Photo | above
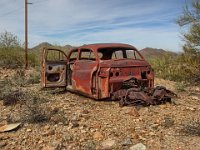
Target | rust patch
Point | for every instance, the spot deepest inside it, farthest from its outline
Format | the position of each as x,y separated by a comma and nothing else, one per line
113,70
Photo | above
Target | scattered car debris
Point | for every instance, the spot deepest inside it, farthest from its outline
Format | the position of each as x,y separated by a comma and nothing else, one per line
9,127
104,71
146,96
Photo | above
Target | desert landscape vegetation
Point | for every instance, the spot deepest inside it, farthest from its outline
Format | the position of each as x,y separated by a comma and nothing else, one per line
54,119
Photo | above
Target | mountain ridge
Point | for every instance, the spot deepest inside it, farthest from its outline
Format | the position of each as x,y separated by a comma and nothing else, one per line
147,52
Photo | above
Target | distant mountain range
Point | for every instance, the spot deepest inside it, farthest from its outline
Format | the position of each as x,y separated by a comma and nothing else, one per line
46,44
148,53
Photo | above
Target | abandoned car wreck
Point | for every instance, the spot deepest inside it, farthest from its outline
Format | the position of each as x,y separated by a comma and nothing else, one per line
103,71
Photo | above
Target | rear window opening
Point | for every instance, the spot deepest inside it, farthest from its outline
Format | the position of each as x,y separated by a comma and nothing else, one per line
119,53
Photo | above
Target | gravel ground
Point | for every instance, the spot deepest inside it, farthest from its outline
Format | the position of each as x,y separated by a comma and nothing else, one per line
77,122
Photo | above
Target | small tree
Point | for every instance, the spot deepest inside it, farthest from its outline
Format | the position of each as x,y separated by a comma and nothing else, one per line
191,19
190,60
8,40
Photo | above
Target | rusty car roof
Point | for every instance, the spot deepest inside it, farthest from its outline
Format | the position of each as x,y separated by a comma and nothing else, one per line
106,45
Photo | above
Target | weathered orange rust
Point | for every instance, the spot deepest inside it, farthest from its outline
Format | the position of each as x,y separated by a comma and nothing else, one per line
100,71
98,77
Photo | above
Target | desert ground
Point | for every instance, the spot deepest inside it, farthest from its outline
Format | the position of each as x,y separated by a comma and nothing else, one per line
56,120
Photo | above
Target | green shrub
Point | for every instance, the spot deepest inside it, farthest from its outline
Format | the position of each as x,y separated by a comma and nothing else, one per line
14,57
184,68
33,59
191,128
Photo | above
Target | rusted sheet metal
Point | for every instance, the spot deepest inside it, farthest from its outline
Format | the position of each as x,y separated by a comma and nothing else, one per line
116,71
139,96
83,73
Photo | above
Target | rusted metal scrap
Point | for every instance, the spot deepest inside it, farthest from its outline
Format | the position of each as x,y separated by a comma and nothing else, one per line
103,71
143,96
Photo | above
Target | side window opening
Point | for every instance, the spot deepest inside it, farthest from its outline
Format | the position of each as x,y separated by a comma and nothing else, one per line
117,54
55,55
74,55
133,54
87,54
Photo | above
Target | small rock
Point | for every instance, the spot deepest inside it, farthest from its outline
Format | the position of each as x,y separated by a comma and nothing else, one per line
138,146
40,141
195,97
89,145
60,123
108,144
127,142
76,117
48,133
168,122
83,131
142,138
57,145
96,126
48,148
74,124
134,136
190,108
85,111
4,137
2,144
57,118
163,106
152,134
68,138
155,126
66,122
28,130
92,130
47,127
134,112
198,89
98,136
5,76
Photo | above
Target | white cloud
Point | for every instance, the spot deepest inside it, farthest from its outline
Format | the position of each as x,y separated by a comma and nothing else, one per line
142,23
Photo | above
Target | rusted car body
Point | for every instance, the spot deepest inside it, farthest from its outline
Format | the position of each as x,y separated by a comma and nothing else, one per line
97,70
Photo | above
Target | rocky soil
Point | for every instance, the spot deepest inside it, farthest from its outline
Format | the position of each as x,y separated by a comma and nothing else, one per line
76,122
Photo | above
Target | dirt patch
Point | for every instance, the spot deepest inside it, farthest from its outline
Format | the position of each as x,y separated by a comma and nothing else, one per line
77,122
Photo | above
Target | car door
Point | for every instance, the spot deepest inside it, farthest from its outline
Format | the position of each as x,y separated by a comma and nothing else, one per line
84,72
54,68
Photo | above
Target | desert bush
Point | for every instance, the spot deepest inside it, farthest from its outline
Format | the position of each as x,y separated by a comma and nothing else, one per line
14,58
33,78
10,88
182,68
191,128
9,40
29,108
11,58
32,110
33,59
11,52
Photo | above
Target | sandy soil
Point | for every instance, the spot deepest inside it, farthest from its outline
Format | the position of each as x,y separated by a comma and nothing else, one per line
78,122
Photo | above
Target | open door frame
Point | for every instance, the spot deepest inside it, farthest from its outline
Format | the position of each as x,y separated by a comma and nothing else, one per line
54,72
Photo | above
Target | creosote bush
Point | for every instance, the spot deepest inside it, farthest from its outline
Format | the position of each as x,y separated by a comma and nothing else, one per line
13,93
14,58
191,128
31,109
182,68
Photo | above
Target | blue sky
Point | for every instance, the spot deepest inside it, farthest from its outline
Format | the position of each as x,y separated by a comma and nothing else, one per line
142,23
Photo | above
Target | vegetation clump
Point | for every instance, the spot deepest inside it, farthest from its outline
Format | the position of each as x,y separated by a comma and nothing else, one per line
186,66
